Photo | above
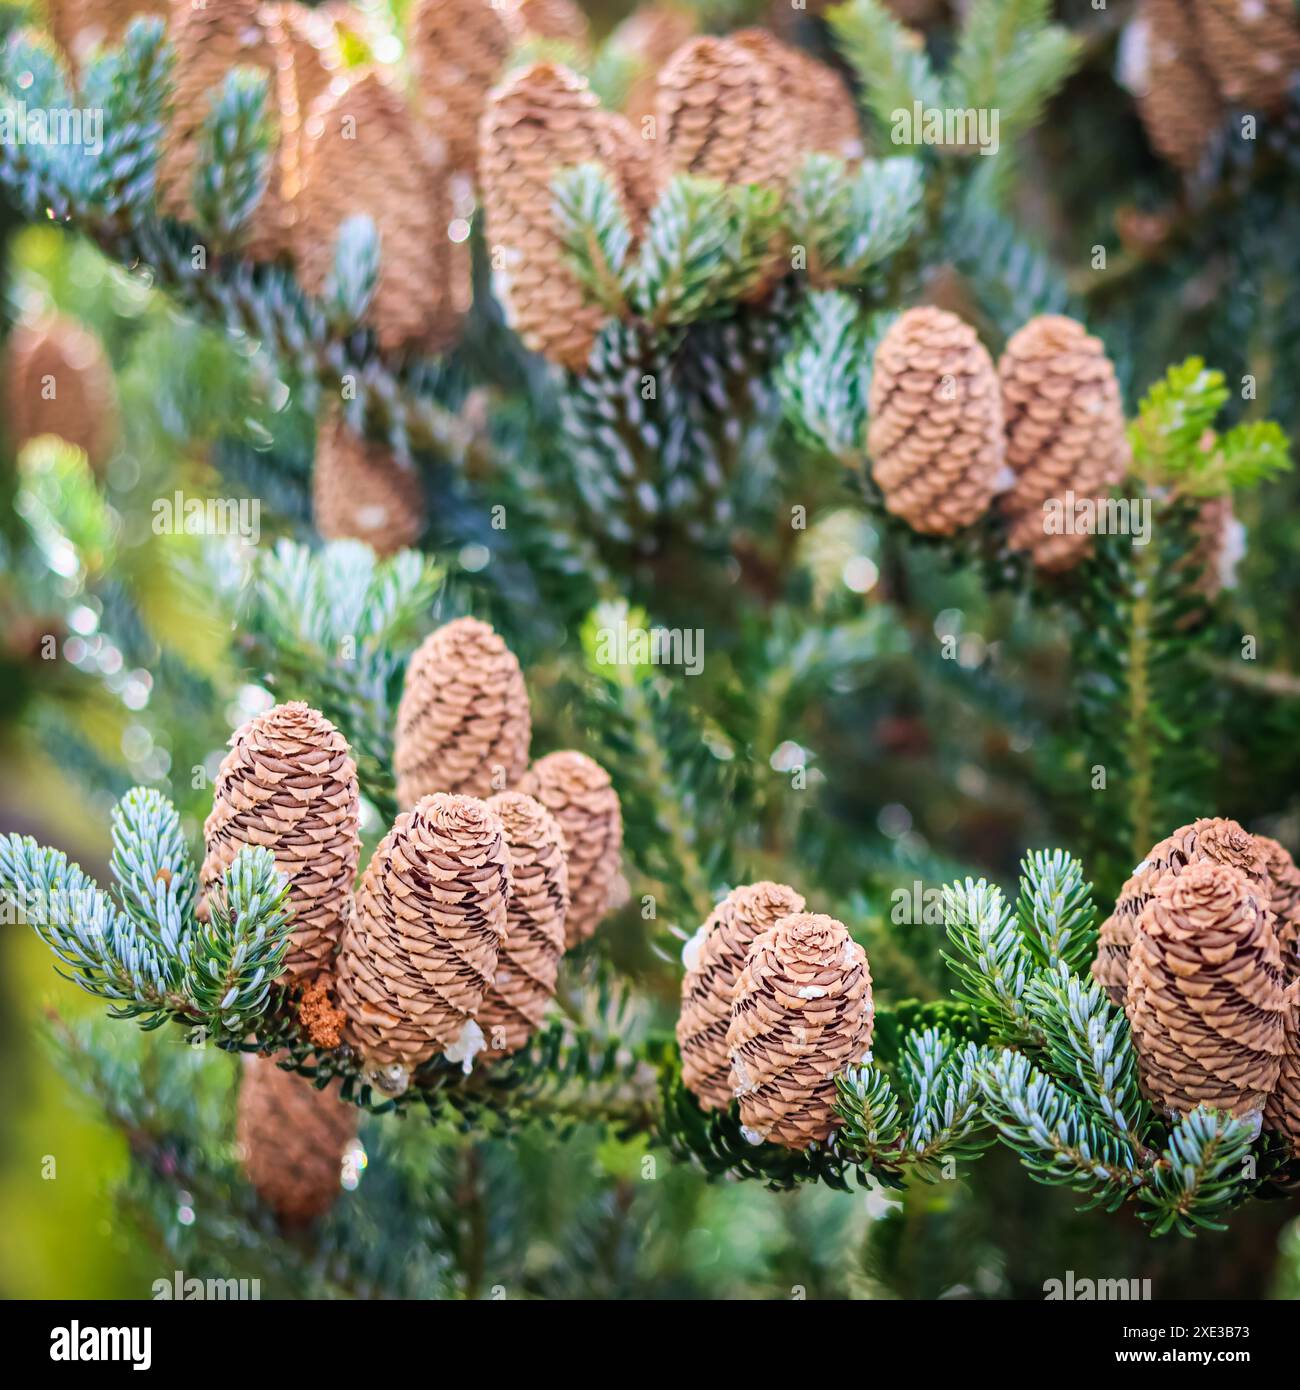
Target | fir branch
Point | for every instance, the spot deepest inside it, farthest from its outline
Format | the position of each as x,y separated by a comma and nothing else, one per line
888,59
595,233
1200,1173
234,162
152,866
351,284
685,253
235,955
824,378
992,961
1055,909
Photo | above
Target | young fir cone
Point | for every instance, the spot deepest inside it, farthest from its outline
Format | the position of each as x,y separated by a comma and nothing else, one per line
1065,435
458,49
1178,103
578,792
361,492
291,1140
648,37
363,156
1252,47
289,784
524,984
60,382
422,946
802,1012
208,42
541,119
560,21
935,437
463,722
720,116
714,958
1209,839
1205,993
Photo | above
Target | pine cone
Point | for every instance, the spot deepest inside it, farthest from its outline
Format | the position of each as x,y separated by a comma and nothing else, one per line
1205,992
1212,840
935,436
813,94
289,784
363,156
208,42
458,49
802,1012
524,984
361,492
422,947
1282,1110
1219,545
308,41
631,160
561,21
715,958
1179,105
463,723
1252,47
650,35
1064,431
1284,900
720,116
291,1140
60,383
81,26
579,794
540,120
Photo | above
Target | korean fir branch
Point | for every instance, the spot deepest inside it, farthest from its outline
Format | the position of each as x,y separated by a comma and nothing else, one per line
234,157
351,284
991,959
595,232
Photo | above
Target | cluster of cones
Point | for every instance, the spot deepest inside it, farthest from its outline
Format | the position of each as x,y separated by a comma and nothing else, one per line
452,940
1203,953
950,431
1197,59
775,1001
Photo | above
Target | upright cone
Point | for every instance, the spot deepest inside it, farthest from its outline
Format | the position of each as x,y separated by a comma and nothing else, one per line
209,41
561,21
802,1012
812,96
714,959
291,1139
720,115
1284,899
463,723
363,157
360,491
647,38
1205,992
60,382
579,794
1065,435
1252,47
541,119
524,983
422,946
1212,839
1179,103
935,437
289,784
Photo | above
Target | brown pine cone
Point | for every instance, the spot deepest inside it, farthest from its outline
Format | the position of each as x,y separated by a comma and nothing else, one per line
524,984
561,21
801,1013
1219,545
579,794
60,383
631,160
361,492
1252,47
1284,900
463,722
289,784
720,116
714,959
1205,993
650,35
1282,1110
935,436
291,1140
363,156
458,50
813,94
1064,430
81,26
308,41
208,42
1210,839
541,119
422,946
1179,104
